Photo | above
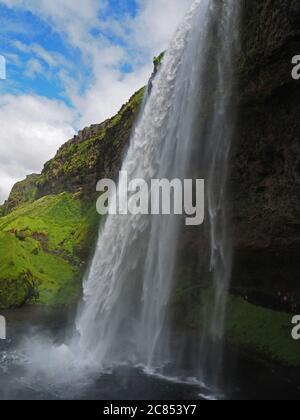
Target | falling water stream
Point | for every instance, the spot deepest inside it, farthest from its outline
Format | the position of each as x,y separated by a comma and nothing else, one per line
129,335
185,129
151,323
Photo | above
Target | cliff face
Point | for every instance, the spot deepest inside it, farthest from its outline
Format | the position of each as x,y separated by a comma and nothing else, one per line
95,153
264,195
265,185
49,223
22,192
265,177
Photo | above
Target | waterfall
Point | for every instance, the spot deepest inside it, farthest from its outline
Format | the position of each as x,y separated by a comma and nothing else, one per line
185,130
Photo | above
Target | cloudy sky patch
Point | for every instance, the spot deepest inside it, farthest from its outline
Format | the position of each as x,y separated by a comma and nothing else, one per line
70,64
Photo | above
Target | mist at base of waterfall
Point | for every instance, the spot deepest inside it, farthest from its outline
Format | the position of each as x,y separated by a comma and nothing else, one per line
35,365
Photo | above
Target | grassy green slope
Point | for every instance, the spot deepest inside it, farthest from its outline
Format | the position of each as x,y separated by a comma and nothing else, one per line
42,248
256,331
45,242
262,332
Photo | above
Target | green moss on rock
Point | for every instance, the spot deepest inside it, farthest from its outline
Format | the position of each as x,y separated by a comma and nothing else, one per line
49,223
256,331
95,153
262,332
158,60
43,246
23,192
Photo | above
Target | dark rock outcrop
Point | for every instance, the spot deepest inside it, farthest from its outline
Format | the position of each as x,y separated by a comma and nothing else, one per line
95,153
49,224
22,192
265,176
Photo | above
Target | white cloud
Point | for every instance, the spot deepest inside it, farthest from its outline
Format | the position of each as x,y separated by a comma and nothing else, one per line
31,130
157,21
72,18
34,68
145,35
104,98
51,58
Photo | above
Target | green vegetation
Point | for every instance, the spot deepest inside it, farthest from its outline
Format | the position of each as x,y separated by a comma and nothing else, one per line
80,162
157,60
251,329
261,331
42,248
132,106
22,192
49,223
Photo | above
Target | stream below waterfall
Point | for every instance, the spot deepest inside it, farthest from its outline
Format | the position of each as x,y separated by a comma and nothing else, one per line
24,376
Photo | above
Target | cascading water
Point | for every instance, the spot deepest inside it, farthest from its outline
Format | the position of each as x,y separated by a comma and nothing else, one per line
185,129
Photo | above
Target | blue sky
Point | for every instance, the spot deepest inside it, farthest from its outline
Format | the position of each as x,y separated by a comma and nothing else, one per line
71,64
31,70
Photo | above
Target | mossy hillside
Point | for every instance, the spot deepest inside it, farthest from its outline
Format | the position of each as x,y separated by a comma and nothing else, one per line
49,223
158,60
29,274
132,106
92,154
43,247
254,330
82,161
22,192
263,332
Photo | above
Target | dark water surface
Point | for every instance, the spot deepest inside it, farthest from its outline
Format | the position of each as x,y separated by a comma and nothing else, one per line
51,380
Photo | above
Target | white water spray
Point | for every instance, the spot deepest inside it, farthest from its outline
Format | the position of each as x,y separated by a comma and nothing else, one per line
185,129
